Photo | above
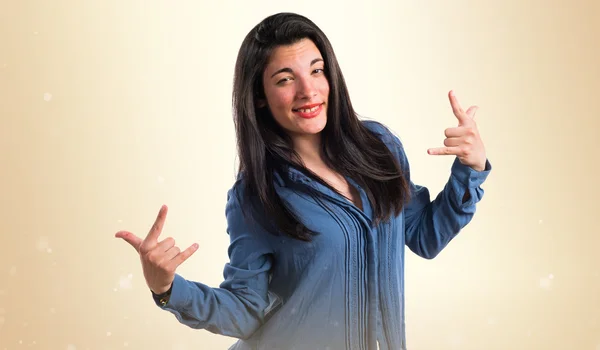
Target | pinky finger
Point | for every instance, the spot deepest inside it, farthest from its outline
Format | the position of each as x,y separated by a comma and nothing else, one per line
444,151
184,255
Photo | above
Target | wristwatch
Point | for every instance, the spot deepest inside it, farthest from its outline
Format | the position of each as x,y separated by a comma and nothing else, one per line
162,298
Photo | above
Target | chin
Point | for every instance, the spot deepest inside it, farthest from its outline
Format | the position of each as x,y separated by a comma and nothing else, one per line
312,126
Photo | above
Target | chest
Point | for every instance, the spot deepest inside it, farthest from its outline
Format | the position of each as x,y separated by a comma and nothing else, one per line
343,230
346,246
344,187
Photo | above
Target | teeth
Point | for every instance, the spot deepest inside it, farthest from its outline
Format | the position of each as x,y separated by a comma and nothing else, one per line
308,110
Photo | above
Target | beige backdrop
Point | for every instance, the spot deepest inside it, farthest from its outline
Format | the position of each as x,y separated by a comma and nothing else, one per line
111,108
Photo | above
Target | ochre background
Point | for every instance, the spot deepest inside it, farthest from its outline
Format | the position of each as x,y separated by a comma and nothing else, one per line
110,109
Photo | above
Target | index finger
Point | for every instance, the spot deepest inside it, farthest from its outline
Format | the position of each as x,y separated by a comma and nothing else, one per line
458,111
157,227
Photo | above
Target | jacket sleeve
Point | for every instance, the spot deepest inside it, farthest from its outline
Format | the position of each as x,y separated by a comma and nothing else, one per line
237,308
431,224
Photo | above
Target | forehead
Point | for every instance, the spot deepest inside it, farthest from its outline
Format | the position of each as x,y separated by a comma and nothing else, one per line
300,53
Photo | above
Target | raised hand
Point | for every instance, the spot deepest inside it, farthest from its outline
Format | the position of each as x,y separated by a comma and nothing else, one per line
463,141
159,259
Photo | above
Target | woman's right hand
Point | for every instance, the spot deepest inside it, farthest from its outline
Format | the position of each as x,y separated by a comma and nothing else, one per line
159,259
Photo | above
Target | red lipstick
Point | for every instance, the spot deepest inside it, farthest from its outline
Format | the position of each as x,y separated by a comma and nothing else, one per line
309,111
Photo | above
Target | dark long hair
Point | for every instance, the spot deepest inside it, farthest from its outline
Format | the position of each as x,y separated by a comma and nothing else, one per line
264,149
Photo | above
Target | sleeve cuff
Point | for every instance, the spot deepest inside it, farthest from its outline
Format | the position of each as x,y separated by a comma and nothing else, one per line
179,294
468,176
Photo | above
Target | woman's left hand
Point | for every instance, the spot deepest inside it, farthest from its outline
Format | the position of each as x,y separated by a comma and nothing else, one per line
463,141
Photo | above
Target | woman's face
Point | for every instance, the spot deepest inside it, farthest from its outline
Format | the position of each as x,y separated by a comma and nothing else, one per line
296,88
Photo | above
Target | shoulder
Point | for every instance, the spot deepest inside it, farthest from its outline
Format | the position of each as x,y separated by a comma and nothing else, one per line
383,132
240,212
247,239
375,126
235,196
388,137
241,221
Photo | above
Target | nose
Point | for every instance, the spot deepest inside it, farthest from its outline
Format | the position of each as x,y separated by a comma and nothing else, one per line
305,88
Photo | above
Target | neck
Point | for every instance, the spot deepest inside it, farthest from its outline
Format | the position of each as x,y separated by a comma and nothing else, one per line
308,148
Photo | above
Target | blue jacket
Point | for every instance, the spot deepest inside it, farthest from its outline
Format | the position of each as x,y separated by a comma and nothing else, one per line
343,290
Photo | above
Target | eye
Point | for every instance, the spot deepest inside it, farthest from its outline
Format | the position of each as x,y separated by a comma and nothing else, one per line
318,70
281,81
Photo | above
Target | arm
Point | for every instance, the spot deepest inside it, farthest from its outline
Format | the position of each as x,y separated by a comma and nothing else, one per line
431,225
237,307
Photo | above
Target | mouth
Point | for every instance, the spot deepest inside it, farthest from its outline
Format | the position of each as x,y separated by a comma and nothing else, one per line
307,108
309,111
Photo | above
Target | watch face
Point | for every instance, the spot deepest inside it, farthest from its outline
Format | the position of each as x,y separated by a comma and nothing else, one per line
163,301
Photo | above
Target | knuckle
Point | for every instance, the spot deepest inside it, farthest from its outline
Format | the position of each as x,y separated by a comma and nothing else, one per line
162,266
183,256
152,259
155,257
145,249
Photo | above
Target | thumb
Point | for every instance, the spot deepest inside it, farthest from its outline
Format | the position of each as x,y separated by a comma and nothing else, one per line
130,238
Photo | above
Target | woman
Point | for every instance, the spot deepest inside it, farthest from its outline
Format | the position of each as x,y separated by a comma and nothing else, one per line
321,210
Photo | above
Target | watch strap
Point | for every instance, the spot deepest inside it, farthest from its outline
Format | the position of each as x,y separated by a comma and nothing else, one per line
163,298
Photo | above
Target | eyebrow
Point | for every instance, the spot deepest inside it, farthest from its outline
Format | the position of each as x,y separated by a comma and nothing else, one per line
289,70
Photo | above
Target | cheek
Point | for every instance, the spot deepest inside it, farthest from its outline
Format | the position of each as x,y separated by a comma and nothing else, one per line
280,100
324,88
